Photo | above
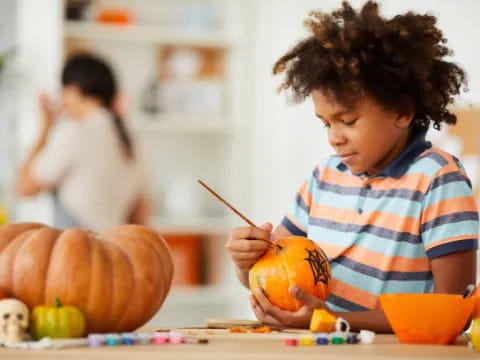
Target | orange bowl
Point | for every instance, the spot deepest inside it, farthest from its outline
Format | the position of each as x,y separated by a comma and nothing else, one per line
427,318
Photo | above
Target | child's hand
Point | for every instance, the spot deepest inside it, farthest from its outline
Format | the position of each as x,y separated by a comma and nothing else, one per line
246,244
272,315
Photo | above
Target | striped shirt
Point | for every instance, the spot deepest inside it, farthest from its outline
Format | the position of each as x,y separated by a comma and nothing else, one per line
380,232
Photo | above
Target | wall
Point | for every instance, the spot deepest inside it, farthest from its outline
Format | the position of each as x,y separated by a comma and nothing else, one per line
7,107
38,60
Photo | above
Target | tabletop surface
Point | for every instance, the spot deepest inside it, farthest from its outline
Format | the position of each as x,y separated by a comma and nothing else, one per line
246,346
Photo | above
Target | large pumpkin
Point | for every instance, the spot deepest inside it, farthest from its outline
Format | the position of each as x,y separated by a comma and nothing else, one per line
118,278
294,260
3,294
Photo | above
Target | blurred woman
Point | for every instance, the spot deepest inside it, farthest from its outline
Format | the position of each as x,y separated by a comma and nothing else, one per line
89,161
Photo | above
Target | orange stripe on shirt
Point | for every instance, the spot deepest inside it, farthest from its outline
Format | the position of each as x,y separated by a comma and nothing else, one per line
385,262
449,169
414,182
305,194
452,239
333,176
378,218
447,156
331,250
339,215
449,206
354,294
375,259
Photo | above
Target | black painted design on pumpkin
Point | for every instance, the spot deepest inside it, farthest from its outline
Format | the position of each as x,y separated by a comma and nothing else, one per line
319,265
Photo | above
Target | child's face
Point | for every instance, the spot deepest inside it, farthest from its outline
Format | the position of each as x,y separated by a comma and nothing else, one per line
366,136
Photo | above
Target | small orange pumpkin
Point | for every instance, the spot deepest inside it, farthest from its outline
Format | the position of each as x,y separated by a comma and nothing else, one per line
476,309
294,260
118,278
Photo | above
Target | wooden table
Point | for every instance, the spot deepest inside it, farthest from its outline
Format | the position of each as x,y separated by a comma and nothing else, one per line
249,348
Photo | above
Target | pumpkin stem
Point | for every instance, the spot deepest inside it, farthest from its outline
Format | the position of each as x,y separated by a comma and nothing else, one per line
58,303
278,246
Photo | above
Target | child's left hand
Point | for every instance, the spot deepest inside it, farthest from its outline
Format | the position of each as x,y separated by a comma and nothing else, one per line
272,315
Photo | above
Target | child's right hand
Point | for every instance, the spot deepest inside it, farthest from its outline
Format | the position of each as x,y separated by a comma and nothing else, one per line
246,244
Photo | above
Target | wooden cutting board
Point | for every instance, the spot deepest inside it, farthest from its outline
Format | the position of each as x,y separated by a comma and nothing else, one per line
218,328
225,334
219,323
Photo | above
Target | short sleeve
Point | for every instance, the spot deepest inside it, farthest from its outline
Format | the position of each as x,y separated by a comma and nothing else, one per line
55,160
296,219
449,221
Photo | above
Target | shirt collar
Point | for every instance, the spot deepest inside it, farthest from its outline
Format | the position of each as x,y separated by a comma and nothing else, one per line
401,163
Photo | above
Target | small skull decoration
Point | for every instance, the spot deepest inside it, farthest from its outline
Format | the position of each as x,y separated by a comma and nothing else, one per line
13,321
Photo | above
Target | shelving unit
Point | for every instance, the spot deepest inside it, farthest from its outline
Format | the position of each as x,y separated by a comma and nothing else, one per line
184,144
181,123
148,34
200,224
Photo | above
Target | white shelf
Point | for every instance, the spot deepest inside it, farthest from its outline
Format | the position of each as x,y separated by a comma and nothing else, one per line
200,224
181,123
147,34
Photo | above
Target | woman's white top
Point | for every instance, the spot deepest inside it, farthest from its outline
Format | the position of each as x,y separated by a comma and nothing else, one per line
95,181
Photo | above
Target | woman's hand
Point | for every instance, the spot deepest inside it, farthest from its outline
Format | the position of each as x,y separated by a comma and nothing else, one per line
246,244
48,110
272,315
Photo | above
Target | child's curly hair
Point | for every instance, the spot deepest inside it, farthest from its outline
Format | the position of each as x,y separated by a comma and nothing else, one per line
398,61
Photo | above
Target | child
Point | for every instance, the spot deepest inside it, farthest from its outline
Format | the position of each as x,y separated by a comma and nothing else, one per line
89,160
393,214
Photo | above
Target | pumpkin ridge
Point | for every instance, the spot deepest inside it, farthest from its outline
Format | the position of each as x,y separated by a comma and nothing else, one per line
52,249
160,253
18,229
287,271
97,254
127,307
167,286
49,263
31,235
110,275
47,271
13,243
102,241
157,304
51,276
130,265
154,241
159,248
90,258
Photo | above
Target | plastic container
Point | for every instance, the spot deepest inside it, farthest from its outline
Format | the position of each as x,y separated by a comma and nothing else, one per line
427,318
